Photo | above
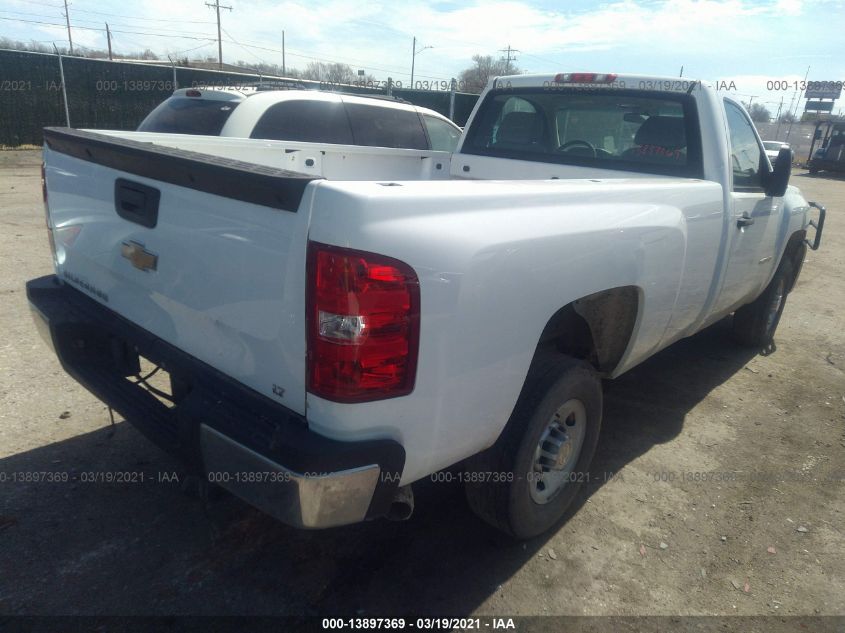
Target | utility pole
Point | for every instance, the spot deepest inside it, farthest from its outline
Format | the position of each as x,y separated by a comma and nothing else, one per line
69,37
217,7
797,105
681,74
777,118
284,72
414,53
108,39
64,86
509,58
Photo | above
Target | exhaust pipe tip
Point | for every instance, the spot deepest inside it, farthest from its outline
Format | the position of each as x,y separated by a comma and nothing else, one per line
402,506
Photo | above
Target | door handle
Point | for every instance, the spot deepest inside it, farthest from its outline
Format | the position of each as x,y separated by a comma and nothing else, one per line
744,220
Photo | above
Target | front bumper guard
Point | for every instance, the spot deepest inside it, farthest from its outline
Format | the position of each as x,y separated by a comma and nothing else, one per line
818,226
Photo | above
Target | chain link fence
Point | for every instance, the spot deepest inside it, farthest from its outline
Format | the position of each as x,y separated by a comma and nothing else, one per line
117,95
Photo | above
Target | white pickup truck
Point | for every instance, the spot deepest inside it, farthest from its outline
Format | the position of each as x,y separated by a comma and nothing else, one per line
339,322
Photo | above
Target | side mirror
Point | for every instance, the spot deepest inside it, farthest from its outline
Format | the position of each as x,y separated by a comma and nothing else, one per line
777,180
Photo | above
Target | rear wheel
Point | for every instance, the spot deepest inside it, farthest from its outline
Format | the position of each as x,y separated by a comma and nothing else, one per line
754,324
524,484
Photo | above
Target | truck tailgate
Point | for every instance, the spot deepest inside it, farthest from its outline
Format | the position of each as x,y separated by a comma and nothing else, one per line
205,253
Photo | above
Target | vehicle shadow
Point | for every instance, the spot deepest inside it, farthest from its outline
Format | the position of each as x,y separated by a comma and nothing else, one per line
822,175
144,548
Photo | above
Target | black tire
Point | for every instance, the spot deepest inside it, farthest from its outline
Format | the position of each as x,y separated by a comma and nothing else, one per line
754,324
499,480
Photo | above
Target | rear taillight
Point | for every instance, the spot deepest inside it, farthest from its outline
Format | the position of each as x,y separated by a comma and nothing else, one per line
363,325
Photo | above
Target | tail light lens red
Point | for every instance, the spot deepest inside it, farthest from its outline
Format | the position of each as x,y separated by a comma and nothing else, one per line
363,325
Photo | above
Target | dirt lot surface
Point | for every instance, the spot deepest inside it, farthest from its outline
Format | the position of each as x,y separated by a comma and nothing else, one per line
728,494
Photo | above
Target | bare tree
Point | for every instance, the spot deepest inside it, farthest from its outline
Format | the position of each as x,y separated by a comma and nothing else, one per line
93,53
475,78
788,117
758,113
335,73
332,73
269,69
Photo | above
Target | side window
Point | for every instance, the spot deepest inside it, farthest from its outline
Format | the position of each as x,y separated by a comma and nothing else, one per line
444,137
308,121
746,156
386,127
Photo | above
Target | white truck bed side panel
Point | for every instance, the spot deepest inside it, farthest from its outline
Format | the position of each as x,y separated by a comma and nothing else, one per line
496,260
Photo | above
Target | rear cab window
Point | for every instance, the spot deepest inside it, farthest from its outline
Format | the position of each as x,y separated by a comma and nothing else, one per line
627,130
189,115
376,126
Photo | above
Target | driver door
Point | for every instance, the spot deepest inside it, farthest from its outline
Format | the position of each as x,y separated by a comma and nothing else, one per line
754,215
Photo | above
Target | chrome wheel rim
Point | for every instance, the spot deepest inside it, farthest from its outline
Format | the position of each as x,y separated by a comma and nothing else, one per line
774,307
557,451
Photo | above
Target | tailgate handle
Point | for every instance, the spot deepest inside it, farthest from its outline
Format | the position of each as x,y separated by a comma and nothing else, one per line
136,202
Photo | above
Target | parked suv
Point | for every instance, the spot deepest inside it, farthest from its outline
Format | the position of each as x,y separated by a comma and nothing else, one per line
303,115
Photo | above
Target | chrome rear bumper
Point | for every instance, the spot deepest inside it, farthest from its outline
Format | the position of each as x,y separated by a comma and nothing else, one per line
306,500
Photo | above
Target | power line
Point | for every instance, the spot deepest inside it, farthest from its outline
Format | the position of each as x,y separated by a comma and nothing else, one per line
334,61
301,54
137,17
244,48
43,4
91,28
92,21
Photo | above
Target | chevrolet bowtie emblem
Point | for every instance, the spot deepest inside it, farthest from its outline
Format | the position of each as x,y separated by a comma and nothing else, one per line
140,257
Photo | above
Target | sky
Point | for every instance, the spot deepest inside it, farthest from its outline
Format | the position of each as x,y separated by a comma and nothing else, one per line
745,44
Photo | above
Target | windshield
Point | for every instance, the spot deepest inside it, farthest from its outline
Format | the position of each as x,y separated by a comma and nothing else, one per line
611,129
189,115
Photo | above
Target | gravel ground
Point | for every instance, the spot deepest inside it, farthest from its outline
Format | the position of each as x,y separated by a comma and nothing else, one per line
755,527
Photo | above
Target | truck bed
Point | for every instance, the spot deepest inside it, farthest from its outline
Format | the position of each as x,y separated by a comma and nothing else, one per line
322,160
230,243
